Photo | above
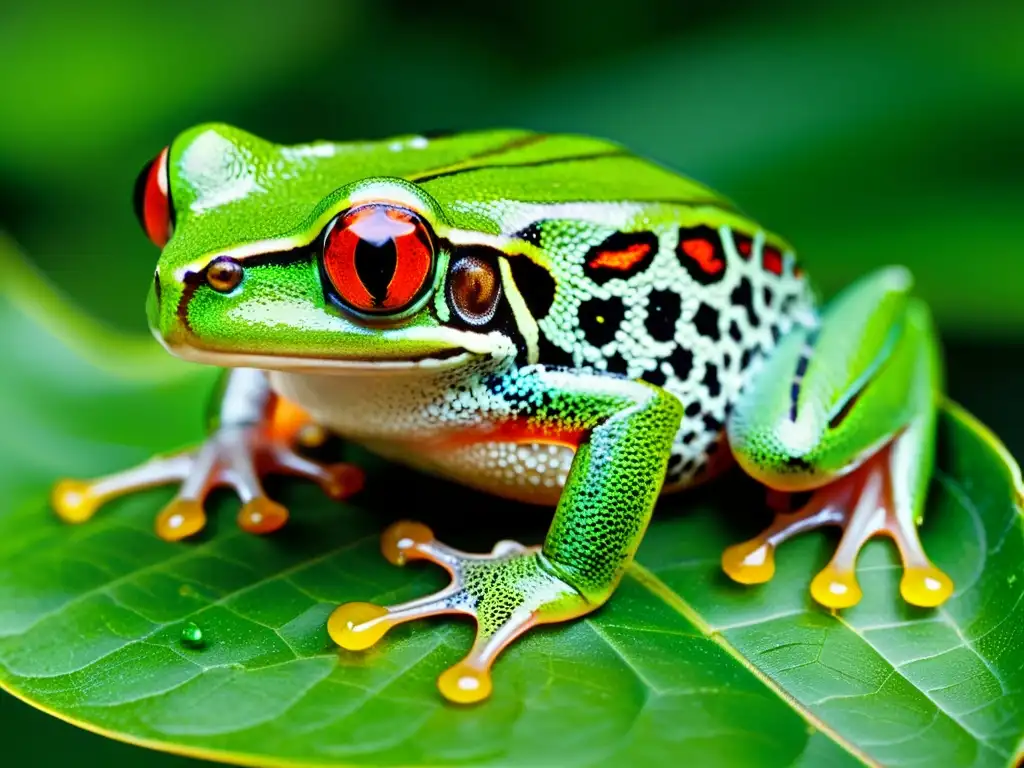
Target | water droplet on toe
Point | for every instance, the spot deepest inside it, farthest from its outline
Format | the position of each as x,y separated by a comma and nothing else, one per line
179,519
752,562
398,542
835,588
192,635
261,515
926,587
465,684
357,626
74,501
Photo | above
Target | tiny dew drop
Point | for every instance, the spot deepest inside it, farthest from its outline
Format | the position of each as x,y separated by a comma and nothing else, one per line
192,635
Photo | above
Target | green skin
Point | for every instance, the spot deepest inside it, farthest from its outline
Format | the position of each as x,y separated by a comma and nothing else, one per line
835,390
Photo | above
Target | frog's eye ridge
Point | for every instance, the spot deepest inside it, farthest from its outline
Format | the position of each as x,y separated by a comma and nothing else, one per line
378,258
153,200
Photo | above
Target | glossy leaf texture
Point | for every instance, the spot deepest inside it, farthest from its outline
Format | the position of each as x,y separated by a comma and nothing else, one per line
680,665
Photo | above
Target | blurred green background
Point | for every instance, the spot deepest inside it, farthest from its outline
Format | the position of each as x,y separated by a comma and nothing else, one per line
867,133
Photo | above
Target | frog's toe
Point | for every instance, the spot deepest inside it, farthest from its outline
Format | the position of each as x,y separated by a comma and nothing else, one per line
261,515
339,481
863,505
76,501
180,519
507,591
233,456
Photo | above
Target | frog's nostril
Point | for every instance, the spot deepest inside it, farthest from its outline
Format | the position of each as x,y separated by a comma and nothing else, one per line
156,288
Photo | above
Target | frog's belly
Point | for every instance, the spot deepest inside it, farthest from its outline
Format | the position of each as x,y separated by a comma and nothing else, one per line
531,472
408,419
405,419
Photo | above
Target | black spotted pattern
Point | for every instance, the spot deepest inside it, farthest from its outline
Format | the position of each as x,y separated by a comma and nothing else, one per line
743,296
711,382
617,364
535,285
681,361
663,310
655,376
531,234
549,354
600,319
692,319
706,322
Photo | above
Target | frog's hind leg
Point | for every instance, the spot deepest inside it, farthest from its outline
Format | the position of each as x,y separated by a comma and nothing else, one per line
253,433
847,410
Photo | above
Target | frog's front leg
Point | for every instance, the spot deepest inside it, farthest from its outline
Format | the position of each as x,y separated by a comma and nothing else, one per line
847,410
252,434
622,431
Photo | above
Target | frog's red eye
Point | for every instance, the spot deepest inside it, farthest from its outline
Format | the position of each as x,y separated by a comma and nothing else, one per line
378,258
153,201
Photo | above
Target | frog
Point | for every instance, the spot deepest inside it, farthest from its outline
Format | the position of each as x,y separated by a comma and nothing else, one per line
548,318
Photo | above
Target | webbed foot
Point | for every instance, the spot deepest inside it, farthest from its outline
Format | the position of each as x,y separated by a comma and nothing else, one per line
236,456
863,505
507,591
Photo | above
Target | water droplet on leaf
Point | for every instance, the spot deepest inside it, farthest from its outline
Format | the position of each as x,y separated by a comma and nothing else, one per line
192,635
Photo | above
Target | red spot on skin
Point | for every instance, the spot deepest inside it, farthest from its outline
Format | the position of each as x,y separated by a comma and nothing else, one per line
513,431
772,261
703,252
620,260
744,247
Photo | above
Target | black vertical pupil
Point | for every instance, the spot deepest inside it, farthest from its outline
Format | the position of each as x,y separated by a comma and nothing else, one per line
375,265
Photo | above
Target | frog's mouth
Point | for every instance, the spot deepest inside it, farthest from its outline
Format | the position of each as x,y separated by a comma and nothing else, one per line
296,331
426,363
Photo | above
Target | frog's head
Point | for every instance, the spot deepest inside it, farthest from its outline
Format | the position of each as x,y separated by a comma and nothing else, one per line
305,257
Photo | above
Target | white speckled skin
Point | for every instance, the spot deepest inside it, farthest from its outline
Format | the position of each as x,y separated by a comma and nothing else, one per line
409,417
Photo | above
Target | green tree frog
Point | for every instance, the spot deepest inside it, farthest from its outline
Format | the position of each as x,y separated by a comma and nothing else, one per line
549,318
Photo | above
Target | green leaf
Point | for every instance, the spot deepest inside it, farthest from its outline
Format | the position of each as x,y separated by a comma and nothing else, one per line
681,664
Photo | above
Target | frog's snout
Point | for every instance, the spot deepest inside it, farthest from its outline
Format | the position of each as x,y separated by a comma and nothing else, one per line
157,290
161,309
